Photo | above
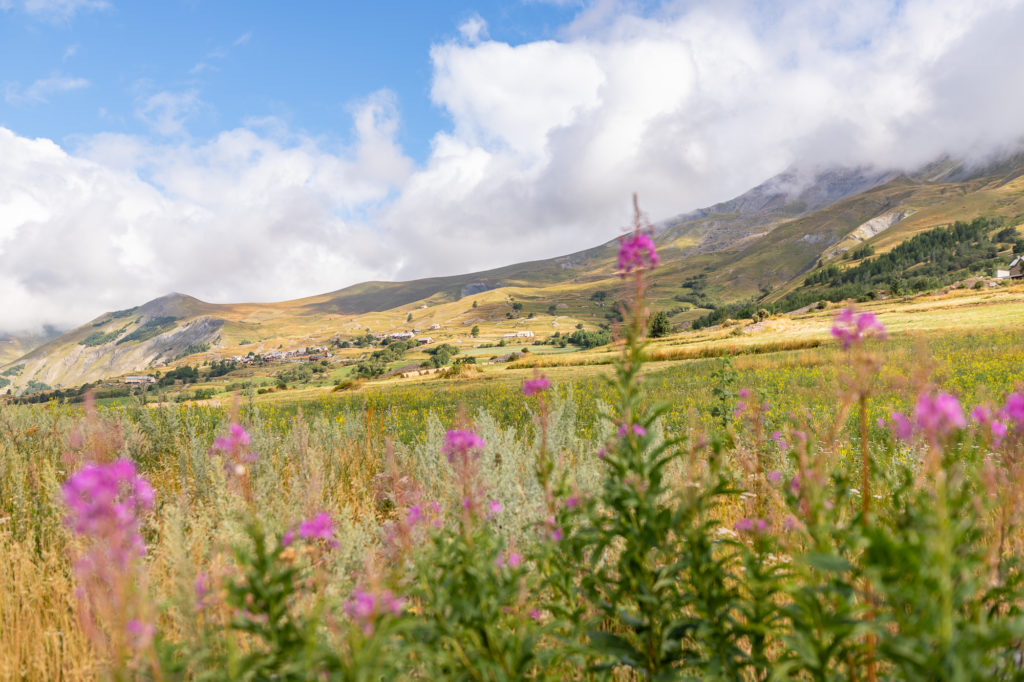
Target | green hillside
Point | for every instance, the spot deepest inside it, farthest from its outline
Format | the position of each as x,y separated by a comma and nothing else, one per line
757,249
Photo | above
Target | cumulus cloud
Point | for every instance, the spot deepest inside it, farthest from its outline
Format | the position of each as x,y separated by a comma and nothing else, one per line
41,90
690,104
473,29
249,215
687,103
166,112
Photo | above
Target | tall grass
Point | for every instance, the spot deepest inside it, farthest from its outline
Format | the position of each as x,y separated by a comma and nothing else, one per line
707,519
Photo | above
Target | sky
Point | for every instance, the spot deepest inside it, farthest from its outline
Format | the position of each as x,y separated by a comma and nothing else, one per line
258,151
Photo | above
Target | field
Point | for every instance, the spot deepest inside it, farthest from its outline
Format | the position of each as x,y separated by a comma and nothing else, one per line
692,507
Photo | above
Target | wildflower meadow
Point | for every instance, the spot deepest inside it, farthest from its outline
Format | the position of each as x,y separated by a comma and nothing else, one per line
842,513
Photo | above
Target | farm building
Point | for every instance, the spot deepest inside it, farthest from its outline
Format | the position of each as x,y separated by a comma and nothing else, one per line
1015,270
139,380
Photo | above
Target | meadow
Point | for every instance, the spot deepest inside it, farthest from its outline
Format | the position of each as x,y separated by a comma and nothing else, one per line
842,507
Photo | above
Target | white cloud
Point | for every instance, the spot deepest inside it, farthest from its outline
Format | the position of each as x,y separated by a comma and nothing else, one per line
41,90
246,215
58,9
691,104
474,29
166,112
688,104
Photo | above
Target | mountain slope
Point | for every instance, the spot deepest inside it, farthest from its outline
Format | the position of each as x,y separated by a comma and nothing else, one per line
762,241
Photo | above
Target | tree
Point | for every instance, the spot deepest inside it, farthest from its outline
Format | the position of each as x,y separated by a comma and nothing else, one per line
475,331
660,325
474,304
408,318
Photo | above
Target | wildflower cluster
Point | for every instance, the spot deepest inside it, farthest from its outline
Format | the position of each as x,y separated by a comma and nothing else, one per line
852,328
637,252
105,504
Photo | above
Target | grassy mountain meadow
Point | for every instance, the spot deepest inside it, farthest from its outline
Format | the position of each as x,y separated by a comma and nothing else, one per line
751,252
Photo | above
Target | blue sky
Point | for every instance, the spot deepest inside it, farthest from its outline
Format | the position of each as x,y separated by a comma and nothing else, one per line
248,151
241,60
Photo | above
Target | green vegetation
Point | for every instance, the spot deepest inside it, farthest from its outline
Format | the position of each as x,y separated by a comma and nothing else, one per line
659,325
441,355
185,374
377,363
927,261
585,339
150,328
12,371
100,338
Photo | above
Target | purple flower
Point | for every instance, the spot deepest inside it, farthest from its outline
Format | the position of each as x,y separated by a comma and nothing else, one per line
901,426
939,415
514,559
1013,410
637,429
414,515
141,633
288,538
850,329
750,526
538,384
775,476
320,527
790,523
459,444
981,414
998,430
637,252
364,608
743,526
779,440
493,509
237,441
571,501
105,503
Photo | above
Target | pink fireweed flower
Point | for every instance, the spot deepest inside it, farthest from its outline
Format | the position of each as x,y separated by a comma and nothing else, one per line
538,384
779,440
235,442
1013,410
459,444
514,559
141,633
637,429
750,526
938,416
105,503
851,329
637,252
775,477
493,509
901,426
364,608
572,501
320,527
998,430
414,515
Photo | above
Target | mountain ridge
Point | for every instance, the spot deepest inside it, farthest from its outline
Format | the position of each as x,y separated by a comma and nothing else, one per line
762,240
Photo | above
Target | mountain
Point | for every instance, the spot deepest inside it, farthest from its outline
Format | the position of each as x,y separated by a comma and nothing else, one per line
14,345
759,244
